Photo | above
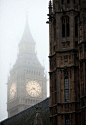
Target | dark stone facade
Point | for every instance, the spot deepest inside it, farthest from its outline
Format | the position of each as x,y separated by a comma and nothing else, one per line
27,116
67,56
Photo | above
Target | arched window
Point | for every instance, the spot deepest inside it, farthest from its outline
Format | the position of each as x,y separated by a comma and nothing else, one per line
74,1
62,1
68,1
66,87
55,85
54,24
79,1
76,26
67,120
65,26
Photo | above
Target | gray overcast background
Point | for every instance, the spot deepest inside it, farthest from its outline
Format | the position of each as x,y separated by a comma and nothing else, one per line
12,23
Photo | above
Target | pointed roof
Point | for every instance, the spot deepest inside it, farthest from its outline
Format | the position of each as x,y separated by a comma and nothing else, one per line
27,36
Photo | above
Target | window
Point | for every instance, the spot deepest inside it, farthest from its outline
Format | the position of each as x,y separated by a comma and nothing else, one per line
54,48
79,1
82,102
76,26
69,56
74,1
68,1
65,26
66,95
66,81
67,120
55,85
76,43
62,1
54,24
55,120
55,98
85,47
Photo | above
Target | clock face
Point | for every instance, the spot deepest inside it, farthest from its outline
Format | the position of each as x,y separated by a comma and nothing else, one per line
12,91
33,89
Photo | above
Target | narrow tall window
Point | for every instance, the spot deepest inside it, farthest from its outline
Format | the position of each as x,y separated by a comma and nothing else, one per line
62,1
66,81
54,24
55,85
74,1
79,1
67,120
55,98
55,120
68,1
66,95
76,26
65,26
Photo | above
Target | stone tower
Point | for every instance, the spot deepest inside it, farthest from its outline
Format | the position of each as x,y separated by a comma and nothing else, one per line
27,82
67,57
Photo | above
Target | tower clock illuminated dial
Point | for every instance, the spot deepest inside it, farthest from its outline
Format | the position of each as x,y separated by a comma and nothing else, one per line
12,91
33,89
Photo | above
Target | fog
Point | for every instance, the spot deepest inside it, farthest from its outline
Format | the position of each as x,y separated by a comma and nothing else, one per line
12,23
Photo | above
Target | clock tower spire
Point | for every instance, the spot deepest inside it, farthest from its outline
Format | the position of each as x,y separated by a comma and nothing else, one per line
27,41
27,82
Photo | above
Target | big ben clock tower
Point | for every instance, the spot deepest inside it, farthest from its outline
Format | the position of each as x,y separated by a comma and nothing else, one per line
27,82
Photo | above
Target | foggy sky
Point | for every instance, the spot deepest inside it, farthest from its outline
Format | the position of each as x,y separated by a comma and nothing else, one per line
12,23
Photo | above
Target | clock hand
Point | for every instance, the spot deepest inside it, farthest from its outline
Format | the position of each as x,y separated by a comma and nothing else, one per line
32,89
37,91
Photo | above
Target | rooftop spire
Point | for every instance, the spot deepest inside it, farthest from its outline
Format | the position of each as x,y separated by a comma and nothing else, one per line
27,36
26,19
38,119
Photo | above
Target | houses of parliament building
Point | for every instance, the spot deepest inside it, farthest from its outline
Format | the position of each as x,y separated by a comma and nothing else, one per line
67,57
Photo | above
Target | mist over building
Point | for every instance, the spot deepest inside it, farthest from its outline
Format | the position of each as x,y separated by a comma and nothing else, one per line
27,83
67,58
12,24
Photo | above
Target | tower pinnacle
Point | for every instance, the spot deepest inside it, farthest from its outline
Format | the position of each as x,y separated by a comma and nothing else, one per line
27,36
38,119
